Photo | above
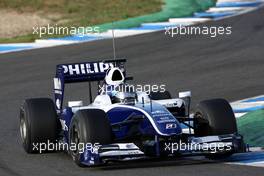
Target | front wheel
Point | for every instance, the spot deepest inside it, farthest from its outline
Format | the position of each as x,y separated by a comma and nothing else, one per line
88,127
219,115
217,118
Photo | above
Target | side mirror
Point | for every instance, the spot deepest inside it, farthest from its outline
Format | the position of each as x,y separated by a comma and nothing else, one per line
75,103
186,96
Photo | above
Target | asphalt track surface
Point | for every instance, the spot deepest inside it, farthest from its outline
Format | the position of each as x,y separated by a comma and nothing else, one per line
229,66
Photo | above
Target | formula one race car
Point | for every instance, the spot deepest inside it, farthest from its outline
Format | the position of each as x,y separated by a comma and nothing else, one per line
124,124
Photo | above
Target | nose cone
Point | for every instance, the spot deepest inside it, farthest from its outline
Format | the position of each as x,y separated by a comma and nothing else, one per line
161,119
166,123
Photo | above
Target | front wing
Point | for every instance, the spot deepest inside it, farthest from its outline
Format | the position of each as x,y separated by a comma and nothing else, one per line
232,143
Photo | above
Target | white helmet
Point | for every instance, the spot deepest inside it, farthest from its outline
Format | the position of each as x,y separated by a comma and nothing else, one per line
114,77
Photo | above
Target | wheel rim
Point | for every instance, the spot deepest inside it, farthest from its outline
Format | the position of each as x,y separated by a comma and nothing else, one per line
23,127
198,115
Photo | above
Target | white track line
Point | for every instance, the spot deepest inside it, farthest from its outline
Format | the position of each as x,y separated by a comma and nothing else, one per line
188,20
242,105
227,9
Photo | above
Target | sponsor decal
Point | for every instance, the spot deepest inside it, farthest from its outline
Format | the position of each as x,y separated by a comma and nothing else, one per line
170,105
63,125
171,125
87,68
58,92
162,116
58,103
57,84
159,112
135,152
166,120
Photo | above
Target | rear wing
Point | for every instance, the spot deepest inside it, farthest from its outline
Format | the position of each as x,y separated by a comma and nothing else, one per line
82,72
87,71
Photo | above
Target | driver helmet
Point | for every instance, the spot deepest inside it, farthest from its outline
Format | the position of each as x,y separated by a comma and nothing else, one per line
123,94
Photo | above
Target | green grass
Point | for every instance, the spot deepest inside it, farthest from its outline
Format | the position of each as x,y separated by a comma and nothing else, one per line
251,126
101,13
86,12
80,12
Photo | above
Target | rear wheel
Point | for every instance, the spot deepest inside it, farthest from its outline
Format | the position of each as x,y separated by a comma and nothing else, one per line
38,123
217,118
89,127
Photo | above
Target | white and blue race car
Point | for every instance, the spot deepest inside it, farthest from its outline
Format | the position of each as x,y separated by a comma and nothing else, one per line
124,124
